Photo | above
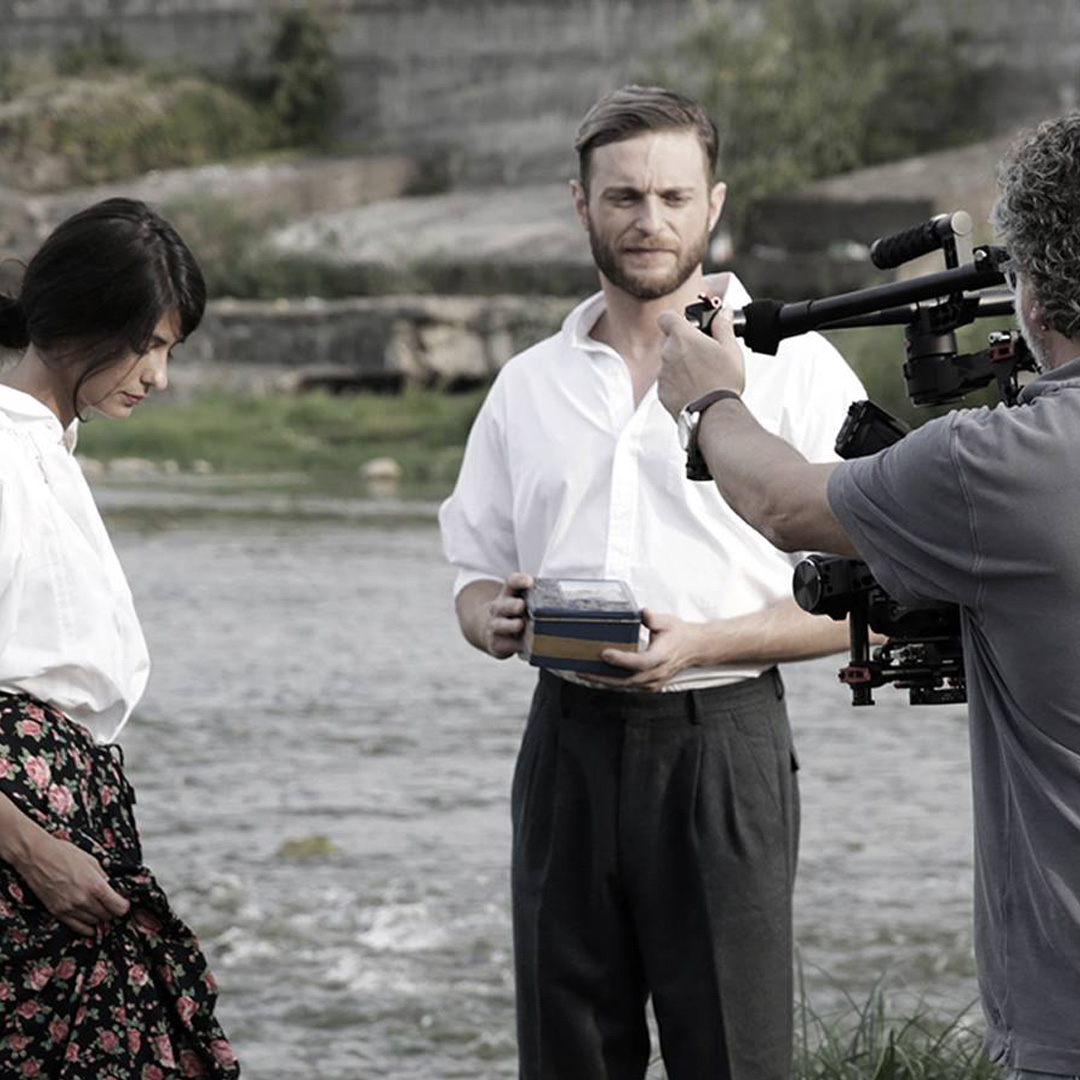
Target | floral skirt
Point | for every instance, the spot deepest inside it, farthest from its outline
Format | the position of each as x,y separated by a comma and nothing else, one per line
136,1000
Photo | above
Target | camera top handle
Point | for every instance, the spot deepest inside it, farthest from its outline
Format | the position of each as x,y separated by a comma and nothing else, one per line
950,232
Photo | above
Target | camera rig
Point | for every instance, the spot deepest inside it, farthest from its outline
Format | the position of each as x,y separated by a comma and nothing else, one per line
922,652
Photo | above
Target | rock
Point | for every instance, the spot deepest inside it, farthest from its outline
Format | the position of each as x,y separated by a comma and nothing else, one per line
517,224
381,469
201,467
451,353
378,343
308,847
132,466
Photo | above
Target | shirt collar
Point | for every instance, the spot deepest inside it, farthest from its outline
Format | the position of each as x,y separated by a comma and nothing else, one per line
578,325
1050,381
24,410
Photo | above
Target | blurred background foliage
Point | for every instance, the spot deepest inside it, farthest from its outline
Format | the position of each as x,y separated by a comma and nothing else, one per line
98,113
320,435
812,88
801,89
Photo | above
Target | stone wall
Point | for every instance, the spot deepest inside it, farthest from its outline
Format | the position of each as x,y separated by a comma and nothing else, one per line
376,343
277,191
506,81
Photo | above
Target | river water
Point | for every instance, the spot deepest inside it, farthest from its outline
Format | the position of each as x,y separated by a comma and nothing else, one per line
323,770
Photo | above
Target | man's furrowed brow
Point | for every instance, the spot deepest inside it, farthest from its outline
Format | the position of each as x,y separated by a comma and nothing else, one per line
623,190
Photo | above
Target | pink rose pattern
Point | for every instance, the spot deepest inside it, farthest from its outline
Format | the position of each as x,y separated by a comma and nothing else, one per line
135,1002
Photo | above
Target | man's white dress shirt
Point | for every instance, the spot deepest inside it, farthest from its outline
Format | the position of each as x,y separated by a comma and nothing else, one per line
564,477
69,634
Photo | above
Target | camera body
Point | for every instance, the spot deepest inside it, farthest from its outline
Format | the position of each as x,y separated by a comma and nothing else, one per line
922,652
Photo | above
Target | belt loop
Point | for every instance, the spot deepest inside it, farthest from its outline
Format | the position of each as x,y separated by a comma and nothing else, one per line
778,683
693,707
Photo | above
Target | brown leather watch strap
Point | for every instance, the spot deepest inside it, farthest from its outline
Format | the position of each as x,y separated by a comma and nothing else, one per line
711,398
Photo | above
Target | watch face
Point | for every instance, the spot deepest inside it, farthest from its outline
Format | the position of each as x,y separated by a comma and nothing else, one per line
687,423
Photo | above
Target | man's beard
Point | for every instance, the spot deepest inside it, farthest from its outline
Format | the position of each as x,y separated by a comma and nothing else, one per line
641,286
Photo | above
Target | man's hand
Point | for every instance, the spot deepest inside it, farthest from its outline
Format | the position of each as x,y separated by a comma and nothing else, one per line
692,364
71,884
492,616
673,646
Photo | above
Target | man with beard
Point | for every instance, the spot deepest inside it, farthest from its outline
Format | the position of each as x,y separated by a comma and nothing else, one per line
655,817
979,508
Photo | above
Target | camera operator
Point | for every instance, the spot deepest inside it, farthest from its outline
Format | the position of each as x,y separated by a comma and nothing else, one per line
980,508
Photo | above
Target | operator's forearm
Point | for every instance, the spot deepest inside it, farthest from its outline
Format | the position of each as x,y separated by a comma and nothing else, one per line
471,606
768,483
780,633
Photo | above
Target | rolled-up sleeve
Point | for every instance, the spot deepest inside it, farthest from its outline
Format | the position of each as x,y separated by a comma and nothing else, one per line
907,511
477,520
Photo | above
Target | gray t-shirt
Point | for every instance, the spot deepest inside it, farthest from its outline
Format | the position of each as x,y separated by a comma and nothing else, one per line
982,508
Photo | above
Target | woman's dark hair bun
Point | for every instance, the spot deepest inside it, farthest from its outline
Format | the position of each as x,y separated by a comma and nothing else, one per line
14,333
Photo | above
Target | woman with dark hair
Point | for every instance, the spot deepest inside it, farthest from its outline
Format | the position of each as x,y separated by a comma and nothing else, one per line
98,978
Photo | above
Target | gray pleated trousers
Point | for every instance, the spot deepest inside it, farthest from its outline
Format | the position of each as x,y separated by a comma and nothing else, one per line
654,849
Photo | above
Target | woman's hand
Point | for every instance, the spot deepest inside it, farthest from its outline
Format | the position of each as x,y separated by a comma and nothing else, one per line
70,883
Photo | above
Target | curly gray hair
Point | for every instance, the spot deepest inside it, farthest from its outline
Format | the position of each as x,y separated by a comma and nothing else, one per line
1037,217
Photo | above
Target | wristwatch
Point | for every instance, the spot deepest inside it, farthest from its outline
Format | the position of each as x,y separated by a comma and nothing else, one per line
689,418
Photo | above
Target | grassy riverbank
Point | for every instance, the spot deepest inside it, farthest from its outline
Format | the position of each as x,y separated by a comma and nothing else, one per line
327,438
870,1040
330,438
877,1039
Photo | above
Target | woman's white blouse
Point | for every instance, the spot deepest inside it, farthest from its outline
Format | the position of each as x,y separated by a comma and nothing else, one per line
69,634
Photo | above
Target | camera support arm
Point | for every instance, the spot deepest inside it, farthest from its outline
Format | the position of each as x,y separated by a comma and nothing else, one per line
763,324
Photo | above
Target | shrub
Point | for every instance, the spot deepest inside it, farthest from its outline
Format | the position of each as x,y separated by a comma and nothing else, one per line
305,95
104,51
99,113
818,87
296,81
119,125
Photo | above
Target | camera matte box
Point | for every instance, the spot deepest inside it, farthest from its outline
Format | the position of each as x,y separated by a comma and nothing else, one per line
570,621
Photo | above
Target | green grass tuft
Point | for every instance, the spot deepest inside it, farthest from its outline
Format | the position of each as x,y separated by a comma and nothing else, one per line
868,1040
317,433
875,1039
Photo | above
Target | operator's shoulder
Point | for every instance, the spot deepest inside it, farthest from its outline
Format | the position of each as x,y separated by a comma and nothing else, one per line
1008,431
